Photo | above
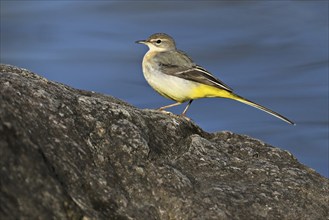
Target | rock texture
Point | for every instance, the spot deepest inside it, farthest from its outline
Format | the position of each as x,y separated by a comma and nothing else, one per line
72,154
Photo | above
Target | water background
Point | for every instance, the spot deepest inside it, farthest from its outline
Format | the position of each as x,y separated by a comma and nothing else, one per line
272,52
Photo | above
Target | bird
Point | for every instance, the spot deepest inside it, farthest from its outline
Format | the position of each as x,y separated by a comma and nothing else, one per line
174,75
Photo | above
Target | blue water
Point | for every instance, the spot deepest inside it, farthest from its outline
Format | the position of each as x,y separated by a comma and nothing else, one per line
272,52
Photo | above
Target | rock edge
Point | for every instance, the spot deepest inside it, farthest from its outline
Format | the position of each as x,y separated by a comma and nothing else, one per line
73,154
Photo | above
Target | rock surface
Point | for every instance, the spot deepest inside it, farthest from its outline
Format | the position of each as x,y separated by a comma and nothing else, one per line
72,154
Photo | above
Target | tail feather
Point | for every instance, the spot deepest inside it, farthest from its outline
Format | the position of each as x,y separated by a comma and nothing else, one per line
260,107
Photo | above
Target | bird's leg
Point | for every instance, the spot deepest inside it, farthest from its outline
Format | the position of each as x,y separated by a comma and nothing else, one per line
188,105
169,106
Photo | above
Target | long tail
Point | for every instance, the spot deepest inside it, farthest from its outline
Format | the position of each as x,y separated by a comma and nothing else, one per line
253,104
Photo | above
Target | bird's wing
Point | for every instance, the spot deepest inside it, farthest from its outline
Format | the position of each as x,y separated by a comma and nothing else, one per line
182,66
200,75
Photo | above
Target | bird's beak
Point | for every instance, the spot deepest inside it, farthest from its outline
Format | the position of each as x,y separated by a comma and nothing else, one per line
141,42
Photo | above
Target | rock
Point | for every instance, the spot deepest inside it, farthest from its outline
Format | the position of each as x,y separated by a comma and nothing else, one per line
73,154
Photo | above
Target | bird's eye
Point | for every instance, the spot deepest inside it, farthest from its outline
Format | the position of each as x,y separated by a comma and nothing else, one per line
158,41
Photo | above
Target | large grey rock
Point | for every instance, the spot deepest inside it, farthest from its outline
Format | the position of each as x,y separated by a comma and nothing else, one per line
72,154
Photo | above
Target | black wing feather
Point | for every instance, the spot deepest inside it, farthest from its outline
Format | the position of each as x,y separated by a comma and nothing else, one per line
182,66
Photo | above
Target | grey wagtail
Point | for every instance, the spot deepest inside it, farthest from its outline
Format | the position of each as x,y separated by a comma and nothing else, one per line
174,75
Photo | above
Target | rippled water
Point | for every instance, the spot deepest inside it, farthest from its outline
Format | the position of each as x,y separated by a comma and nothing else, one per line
272,52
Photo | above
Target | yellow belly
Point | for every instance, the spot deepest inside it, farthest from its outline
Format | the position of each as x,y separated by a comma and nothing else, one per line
175,88
205,91
181,90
